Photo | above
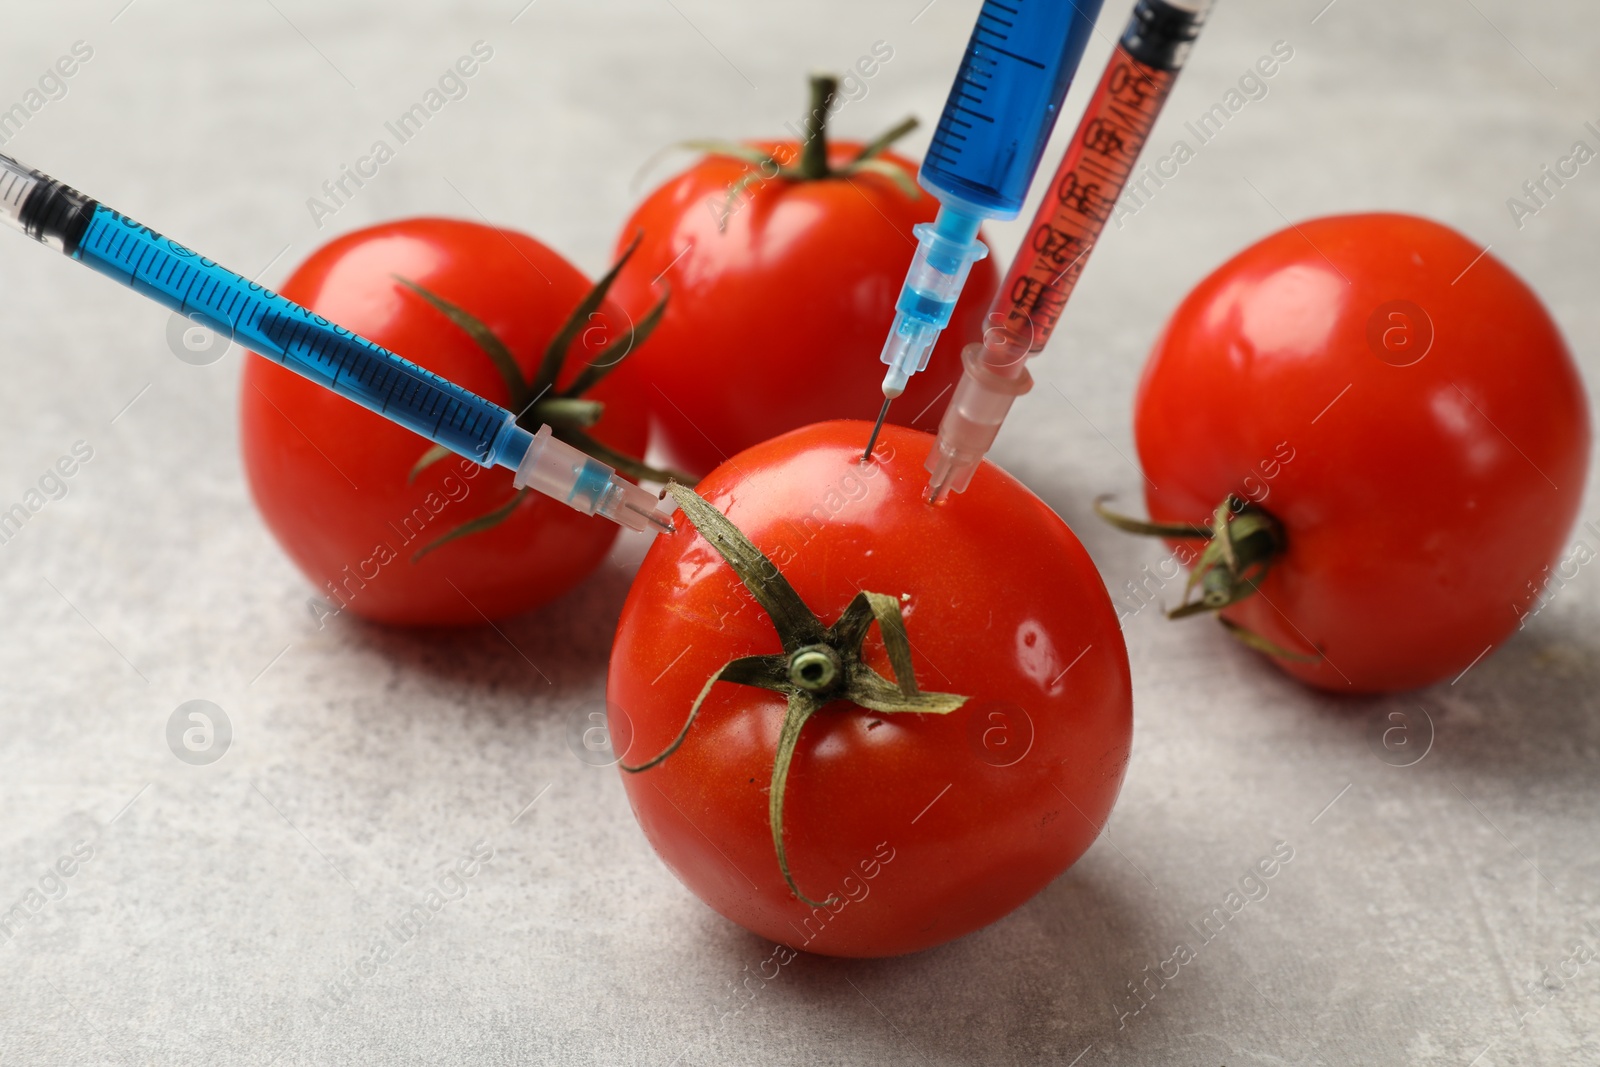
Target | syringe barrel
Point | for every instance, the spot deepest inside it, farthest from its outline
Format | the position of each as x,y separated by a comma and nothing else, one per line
308,344
1074,211
299,339
1005,100
1094,171
213,296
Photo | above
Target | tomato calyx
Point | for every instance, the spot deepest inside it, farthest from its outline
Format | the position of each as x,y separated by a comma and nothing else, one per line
818,666
1243,542
812,164
538,402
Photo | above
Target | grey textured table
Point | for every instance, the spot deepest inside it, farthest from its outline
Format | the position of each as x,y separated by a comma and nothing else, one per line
1428,915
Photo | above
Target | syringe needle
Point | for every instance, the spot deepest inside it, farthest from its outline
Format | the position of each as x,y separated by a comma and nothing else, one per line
877,428
654,517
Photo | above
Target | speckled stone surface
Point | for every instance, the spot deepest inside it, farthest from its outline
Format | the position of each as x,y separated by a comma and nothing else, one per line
1428,916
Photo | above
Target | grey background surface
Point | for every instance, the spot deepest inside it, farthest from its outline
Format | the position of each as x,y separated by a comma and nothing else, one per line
1427,911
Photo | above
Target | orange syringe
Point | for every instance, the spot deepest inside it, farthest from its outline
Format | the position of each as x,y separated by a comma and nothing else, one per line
1093,172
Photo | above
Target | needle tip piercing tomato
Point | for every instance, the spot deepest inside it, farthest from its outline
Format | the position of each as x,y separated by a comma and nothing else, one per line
339,486
1391,427
784,259
997,715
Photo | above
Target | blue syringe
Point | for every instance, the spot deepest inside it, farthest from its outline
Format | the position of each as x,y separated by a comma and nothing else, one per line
1002,107
330,355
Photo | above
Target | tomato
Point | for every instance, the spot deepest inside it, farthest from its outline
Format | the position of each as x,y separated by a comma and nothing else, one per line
331,478
781,301
908,829
1405,407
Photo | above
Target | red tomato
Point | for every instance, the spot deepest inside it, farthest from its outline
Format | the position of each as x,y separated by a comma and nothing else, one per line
1406,409
330,477
921,827
777,319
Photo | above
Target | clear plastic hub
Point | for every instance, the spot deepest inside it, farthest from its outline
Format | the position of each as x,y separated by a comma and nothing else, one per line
977,409
580,481
946,251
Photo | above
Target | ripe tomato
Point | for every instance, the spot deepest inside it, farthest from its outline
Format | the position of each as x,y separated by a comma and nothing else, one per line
794,282
1405,407
330,477
912,829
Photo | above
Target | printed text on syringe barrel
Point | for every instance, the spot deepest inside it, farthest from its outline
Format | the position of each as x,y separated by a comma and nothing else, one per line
1098,164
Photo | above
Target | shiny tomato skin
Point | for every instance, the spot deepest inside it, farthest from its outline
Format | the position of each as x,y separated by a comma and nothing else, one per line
330,477
911,821
1422,501
777,320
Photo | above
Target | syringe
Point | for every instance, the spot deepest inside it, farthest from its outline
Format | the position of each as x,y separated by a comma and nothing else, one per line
1096,167
303,341
1001,110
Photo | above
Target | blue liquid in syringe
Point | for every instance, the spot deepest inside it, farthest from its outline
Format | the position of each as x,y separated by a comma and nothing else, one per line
1002,107
300,339
1019,61
60,217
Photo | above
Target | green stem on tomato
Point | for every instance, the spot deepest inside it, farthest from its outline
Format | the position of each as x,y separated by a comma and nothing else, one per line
818,665
536,401
1243,542
812,164
814,150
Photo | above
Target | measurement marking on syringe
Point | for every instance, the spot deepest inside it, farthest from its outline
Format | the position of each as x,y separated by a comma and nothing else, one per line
1012,55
